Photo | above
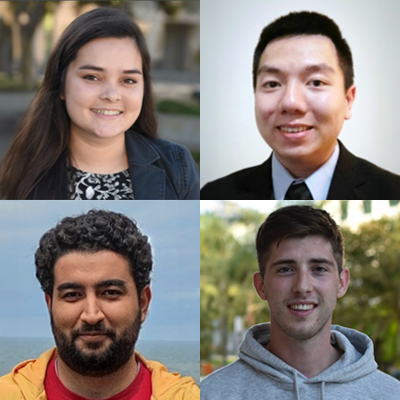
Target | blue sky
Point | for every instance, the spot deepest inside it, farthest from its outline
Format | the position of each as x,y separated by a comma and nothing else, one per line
173,228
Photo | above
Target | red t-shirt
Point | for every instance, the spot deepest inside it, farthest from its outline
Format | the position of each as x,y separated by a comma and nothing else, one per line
139,389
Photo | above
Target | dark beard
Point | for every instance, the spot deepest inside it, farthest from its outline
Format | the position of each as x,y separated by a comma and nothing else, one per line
101,363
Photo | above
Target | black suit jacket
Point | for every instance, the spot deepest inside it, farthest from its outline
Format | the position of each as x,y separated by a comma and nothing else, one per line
353,179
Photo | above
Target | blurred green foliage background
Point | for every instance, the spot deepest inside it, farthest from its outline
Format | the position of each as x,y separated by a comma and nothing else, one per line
371,304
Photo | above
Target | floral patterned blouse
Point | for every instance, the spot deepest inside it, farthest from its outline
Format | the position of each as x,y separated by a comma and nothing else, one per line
88,186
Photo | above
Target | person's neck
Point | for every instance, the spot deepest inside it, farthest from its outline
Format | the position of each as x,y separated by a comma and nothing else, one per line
101,156
310,357
303,168
98,388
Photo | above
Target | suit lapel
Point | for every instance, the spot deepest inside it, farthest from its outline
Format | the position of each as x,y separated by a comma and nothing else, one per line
260,184
148,180
347,181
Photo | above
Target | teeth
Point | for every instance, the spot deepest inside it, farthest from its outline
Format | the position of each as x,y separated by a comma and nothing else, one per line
294,130
107,112
302,307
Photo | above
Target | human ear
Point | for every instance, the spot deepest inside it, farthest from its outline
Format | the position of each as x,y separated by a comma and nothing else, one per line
145,299
350,97
258,282
48,301
344,280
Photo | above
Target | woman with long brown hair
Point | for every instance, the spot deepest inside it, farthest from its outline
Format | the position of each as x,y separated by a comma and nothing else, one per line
91,131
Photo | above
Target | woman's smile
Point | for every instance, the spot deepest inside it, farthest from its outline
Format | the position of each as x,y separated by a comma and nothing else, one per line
106,78
106,112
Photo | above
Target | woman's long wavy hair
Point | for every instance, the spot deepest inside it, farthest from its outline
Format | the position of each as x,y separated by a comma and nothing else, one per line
38,153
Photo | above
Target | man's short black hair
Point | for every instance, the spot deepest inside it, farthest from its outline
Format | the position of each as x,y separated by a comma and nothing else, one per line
298,222
306,23
95,231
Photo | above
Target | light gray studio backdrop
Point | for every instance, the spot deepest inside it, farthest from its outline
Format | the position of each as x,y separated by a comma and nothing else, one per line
229,33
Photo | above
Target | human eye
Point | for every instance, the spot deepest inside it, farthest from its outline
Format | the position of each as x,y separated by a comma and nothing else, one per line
130,81
91,78
317,83
284,270
320,269
71,296
112,293
271,84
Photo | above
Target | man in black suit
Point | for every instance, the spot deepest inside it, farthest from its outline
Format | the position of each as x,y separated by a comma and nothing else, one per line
304,90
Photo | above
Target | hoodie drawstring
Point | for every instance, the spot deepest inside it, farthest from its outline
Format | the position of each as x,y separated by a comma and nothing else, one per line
322,390
296,386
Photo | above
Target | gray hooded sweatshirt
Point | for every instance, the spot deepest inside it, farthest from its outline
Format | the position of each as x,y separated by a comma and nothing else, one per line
258,374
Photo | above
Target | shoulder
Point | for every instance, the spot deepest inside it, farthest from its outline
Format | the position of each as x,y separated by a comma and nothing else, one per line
26,377
380,183
366,179
379,385
376,171
170,385
174,152
164,148
175,159
386,384
365,167
235,185
165,145
230,382
9,389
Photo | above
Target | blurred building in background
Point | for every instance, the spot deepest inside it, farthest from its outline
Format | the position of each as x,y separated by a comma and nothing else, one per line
352,213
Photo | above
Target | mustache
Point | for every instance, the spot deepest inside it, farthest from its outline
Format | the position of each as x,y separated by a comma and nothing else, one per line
99,327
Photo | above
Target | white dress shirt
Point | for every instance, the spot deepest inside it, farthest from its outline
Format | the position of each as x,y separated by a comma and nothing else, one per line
318,182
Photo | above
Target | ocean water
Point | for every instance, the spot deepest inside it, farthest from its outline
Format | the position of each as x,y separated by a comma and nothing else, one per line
182,357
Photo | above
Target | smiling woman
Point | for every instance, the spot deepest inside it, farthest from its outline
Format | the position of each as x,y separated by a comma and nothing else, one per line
91,130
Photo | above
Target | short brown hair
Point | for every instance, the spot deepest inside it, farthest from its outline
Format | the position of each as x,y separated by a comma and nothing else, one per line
298,221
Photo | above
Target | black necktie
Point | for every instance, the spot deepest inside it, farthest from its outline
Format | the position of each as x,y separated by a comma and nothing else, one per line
298,191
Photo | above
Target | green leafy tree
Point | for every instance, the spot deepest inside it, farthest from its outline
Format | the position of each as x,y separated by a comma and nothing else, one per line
228,262
216,245
372,303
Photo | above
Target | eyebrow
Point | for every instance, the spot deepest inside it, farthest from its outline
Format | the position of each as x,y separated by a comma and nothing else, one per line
103,284
94,68
291,261
269,69
283,261
321,260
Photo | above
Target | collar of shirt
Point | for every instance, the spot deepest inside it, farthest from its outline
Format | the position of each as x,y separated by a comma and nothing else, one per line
318,182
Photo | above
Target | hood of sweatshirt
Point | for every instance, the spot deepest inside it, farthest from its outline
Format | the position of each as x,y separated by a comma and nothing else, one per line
357,359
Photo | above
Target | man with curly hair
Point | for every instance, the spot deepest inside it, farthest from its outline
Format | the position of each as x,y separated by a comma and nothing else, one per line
95,272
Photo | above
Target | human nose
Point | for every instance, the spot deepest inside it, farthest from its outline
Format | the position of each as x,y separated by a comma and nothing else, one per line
293,99
110,92
302,283
92,313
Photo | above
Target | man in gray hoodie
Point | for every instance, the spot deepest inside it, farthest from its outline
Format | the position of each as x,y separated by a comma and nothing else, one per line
299,354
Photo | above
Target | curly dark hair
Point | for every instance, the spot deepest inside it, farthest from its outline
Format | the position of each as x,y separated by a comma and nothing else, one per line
91,232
